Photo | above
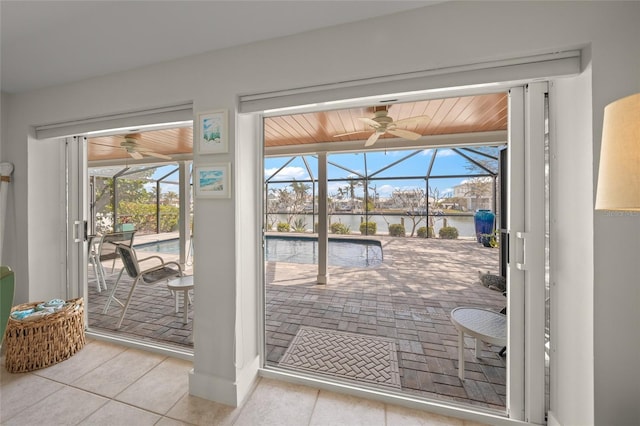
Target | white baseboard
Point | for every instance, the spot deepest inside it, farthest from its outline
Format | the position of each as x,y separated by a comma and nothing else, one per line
224,391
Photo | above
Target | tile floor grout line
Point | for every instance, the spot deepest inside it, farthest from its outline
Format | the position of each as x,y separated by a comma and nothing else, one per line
113,398
41,399
139,378
246,399
315,404
174,404
94,411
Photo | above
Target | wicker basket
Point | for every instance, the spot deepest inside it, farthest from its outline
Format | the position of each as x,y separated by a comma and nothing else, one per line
31,345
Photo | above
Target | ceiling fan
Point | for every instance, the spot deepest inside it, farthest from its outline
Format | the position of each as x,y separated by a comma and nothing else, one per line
133,148
381,123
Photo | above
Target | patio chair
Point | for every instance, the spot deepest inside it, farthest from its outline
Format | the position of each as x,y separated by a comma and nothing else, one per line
159,272
95,247
111,241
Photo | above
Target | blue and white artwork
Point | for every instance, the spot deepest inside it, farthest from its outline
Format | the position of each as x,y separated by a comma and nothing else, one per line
211,128
213,132
211,180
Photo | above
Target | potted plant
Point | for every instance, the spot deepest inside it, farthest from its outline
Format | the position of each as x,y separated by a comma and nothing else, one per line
489,240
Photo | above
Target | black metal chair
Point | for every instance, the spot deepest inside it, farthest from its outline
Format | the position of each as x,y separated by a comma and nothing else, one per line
110,242
151,275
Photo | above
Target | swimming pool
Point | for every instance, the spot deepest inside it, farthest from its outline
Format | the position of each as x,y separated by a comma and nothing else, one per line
165,246
356,253
348,252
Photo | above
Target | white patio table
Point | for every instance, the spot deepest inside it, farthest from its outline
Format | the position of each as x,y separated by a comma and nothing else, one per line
183,284
482,324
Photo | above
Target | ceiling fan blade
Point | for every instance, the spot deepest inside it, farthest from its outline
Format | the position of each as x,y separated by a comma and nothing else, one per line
155,154
370,122
405,134
410,120
372,139
351,133
135,155
105,144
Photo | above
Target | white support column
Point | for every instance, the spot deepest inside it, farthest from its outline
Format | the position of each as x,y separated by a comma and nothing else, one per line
534,318
184,221
323,232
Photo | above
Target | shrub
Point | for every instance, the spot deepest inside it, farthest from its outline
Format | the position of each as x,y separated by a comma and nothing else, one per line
449,232
143,216
396,230
368,228
299,225
424,232
283,227
340,228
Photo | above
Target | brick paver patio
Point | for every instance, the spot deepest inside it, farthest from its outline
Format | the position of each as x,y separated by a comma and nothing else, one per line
407,298
151,315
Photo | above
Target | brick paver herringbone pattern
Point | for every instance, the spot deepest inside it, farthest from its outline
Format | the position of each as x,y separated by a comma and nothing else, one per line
344,355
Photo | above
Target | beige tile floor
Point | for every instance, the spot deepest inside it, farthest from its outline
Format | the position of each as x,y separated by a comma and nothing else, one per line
108,384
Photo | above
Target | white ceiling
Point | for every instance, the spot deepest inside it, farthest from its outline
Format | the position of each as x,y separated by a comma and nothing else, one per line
46,43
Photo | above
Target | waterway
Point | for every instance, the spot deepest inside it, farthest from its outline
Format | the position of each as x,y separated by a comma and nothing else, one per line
464,224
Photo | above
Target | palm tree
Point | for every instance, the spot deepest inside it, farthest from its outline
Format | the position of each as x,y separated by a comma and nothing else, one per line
351,188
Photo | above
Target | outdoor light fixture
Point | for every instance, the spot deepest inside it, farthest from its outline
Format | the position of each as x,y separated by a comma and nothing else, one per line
619,175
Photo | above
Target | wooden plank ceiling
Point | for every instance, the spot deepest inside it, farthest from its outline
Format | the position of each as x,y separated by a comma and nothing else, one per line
465,114
166,142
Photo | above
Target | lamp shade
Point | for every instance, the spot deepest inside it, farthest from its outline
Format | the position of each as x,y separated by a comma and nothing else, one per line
619,174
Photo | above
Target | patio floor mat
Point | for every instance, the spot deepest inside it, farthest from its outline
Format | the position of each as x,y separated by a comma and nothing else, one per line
344,355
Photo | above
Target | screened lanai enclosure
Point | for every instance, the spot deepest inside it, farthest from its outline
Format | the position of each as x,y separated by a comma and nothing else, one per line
409,206
147,206
141,197
413,192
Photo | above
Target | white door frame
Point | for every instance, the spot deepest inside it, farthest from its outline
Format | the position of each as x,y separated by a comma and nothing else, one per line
77,211
526,266
535,263
526,269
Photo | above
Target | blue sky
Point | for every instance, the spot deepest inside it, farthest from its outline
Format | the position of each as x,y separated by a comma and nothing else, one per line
447,163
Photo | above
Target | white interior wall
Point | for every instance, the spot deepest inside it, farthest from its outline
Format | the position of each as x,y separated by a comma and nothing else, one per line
447,34
571,272
46,171
616,246
3,129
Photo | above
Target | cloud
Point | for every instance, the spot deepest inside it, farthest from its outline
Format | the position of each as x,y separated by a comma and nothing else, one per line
445,153
288,173
385,190
332,187
476,180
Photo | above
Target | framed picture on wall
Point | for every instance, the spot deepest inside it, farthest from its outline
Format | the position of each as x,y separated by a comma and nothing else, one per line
213,181
212,132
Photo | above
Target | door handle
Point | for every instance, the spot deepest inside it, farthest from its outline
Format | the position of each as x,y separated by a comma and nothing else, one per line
79,231
520,249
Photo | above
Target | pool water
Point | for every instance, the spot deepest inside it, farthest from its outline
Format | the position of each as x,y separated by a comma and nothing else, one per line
166,246
342,252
